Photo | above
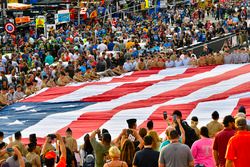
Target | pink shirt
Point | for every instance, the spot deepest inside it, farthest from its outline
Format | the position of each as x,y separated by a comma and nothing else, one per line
202,151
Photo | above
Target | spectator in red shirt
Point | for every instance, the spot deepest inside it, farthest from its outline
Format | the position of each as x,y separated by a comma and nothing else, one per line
221,140
237,154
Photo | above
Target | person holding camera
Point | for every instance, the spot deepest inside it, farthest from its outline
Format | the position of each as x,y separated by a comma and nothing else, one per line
100,148
131,134
190,135
170,128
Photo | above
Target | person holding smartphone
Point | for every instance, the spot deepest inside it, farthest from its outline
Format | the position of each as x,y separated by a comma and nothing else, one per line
100,148
170,128
190,135
131,134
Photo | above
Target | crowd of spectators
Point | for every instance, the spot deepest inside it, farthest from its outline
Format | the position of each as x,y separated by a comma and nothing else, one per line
218,144
19,80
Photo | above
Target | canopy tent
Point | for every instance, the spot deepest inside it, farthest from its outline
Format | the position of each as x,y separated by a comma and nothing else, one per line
18,6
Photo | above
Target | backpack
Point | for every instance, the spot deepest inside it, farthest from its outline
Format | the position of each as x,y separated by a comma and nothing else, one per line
190,134
89,160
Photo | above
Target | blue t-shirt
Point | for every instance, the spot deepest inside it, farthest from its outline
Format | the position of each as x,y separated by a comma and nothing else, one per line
83,69
25,56
111,46
135,54
101,10
169,44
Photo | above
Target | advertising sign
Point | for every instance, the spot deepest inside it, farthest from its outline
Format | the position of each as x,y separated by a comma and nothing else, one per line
63,16
24,19
40,22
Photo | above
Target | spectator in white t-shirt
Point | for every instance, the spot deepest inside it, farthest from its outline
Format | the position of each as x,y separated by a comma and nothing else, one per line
102,47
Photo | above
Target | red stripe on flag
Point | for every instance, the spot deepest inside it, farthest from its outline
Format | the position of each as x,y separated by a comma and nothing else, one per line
56,92
136,75
52,93
137,87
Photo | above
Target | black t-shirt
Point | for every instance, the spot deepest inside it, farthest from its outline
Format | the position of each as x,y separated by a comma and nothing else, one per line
109,62
70,70
101,66
121,61
146,158
190,134
2,80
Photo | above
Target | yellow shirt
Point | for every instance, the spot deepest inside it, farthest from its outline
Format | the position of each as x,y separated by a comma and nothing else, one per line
129,45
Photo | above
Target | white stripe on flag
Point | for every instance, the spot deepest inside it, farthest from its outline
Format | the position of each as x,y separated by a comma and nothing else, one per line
84,92
108,79
162,74
118,121
241,95
38,92
93,90
213,89
204,110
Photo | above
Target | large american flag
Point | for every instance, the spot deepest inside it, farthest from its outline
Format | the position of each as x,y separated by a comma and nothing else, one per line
143,95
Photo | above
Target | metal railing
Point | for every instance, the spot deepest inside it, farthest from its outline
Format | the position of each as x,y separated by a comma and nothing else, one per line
231,39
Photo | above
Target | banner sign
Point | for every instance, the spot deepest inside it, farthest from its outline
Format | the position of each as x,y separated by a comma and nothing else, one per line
63,16
40,22
24,19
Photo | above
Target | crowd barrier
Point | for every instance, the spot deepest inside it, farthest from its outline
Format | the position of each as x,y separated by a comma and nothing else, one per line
215,44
